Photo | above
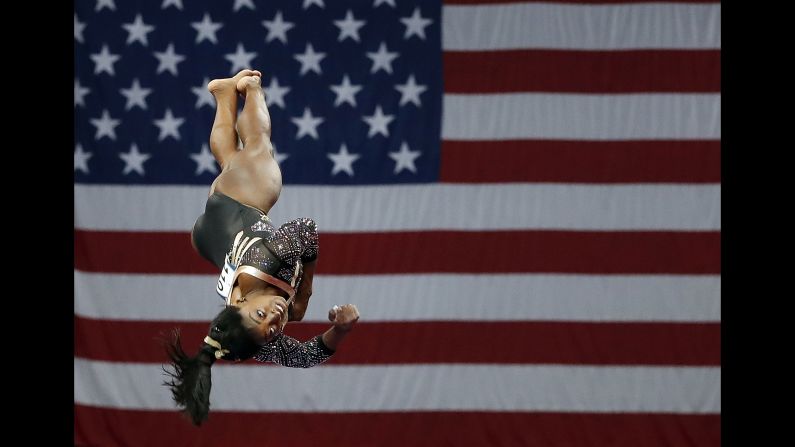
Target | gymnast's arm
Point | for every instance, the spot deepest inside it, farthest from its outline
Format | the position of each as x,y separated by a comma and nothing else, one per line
306,229
289,352
298,307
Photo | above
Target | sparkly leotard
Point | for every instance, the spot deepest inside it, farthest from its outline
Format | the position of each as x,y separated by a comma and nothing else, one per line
274,255
241,239
287,351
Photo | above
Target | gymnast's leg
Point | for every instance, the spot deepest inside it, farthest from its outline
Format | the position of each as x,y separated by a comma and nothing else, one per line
223,136
254,123
253,177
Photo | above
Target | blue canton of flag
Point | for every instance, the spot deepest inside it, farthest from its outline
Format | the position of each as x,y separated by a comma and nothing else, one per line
354,88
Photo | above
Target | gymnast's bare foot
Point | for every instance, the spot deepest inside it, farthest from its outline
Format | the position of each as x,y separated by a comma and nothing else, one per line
249,82
225,85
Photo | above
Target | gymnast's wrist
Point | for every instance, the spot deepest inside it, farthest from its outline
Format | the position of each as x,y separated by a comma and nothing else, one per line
340,330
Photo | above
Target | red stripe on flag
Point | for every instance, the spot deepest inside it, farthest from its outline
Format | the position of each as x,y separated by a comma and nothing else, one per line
399,429
685,71
596,252
581,161
575,343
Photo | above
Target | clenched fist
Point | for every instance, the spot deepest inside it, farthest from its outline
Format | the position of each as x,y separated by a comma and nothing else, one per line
344,317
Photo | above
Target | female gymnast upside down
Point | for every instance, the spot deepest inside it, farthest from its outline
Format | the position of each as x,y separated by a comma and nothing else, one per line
266,272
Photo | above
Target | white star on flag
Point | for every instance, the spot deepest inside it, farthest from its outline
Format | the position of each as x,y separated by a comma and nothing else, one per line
343,161
310,60
307,124
415,24
308,3
240,59
80,93
378,122
79,27
138,30
106,126
384,2
206,29
279,156
168,60
277,28
410,92
175,3
404,159
134,160
104,60
274,93
382,59
241,3
203,96
169,126
105,3
136,96
81,159
205,161
349,27
345,92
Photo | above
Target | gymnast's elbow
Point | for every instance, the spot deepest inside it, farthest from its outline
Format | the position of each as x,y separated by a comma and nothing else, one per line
299,308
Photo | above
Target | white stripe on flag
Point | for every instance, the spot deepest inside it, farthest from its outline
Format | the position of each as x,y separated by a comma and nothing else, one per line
399,298
561,116
581,27
422,207
414,388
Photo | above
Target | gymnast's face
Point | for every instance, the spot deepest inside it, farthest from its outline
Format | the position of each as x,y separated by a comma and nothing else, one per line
264,315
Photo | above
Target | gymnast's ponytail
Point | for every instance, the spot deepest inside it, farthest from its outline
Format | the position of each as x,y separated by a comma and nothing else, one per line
191,377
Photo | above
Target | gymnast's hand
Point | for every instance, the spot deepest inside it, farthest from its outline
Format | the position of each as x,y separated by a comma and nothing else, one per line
344,317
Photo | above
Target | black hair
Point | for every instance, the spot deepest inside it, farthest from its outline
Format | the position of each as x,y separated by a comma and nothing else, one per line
190,379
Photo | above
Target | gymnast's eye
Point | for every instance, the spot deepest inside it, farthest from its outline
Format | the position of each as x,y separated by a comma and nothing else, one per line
260,313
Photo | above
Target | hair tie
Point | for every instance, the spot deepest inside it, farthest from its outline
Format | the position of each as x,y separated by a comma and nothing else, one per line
219,352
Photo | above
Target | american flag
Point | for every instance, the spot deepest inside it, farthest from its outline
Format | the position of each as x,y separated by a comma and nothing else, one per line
523,199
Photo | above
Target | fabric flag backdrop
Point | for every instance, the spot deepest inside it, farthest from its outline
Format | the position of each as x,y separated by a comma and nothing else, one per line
522,198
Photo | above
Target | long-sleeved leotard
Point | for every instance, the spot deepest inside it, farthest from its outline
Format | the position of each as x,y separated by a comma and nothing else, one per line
279,252
287,351
238,238
273,255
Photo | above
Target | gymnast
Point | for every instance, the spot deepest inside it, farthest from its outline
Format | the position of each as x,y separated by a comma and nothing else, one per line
266,272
